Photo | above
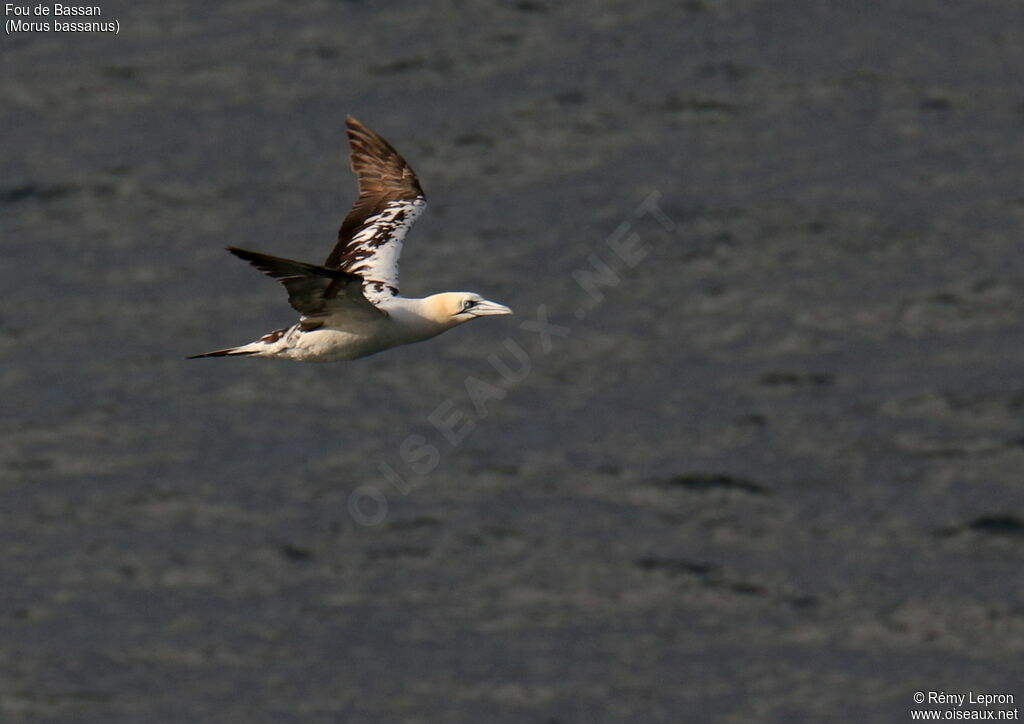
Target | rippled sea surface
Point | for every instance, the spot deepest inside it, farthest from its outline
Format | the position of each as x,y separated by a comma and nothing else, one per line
759,454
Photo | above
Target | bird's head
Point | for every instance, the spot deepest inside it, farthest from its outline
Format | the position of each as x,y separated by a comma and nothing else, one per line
458,307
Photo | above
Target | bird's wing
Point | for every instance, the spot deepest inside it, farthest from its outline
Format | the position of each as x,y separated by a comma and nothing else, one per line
315,291
390,200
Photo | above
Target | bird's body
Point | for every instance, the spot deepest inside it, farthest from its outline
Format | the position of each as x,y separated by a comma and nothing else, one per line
351,306
404,321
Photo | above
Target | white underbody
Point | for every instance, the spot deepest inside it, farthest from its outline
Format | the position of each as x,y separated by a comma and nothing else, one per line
347,337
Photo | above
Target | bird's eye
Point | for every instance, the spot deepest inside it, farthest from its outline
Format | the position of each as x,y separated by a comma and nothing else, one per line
469,303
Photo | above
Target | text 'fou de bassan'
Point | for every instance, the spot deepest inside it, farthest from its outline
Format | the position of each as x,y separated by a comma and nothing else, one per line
37,18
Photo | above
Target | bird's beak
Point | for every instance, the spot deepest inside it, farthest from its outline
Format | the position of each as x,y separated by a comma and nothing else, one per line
486,308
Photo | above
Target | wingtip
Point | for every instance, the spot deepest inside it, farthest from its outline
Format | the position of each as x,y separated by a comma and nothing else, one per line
243,254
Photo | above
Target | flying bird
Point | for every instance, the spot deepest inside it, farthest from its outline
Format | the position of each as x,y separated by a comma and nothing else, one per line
350,305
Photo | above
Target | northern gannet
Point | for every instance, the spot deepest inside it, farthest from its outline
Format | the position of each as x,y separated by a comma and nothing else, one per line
350,306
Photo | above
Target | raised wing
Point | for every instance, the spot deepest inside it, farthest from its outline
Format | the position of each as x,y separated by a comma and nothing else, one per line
390,200
314,291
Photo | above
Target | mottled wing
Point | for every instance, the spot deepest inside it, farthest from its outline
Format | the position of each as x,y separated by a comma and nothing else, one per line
314,291
390,200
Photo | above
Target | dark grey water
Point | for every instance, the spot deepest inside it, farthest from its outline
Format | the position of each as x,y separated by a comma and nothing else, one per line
773,475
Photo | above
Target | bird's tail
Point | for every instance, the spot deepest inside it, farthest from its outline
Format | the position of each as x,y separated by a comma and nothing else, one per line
229,352
264,344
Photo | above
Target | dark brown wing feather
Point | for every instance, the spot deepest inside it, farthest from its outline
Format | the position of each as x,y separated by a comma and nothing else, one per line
313,291
390,199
